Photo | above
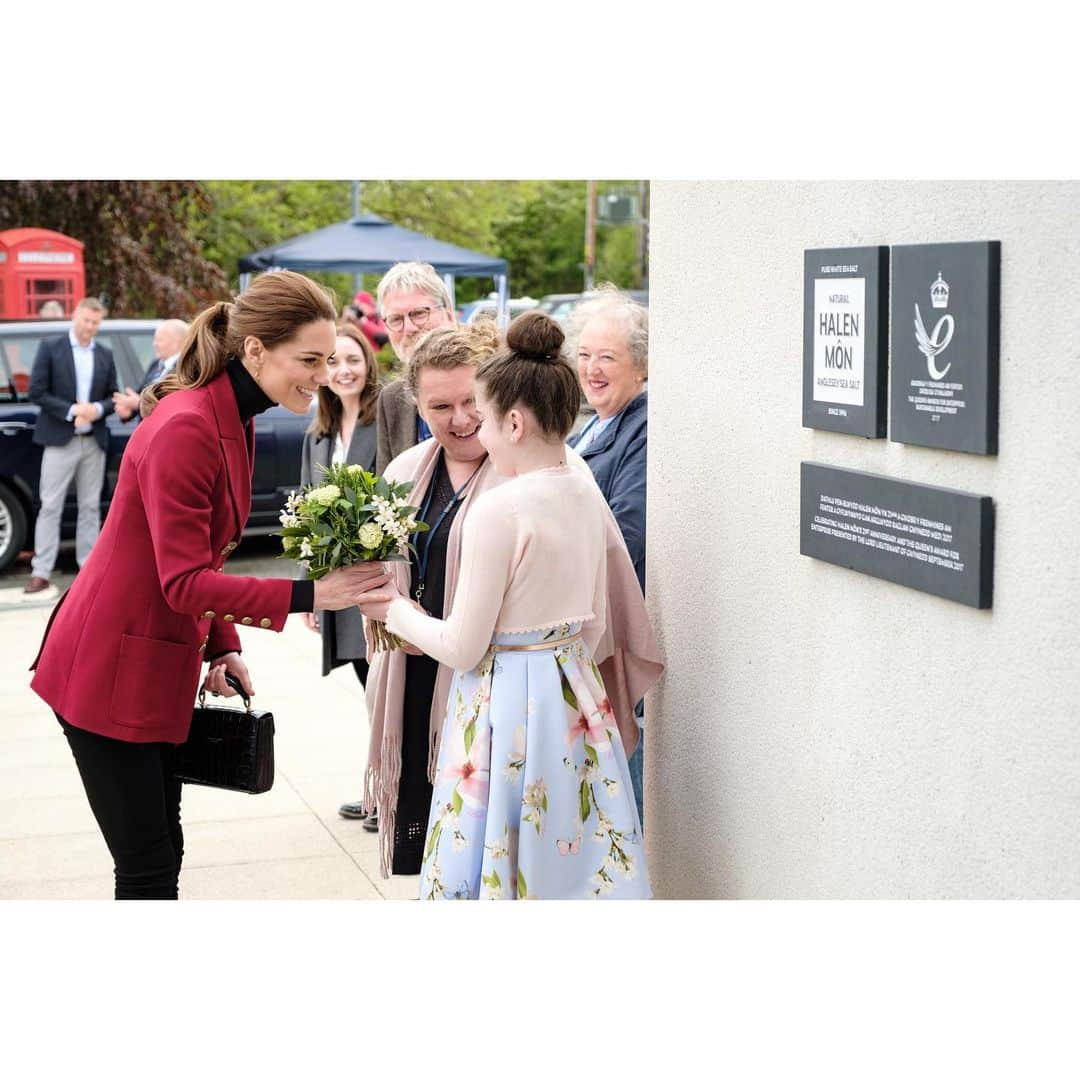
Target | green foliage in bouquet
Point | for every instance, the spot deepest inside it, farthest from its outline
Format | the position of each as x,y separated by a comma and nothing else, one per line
352,516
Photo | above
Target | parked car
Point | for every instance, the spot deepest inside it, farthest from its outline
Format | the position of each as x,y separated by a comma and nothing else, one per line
516,306
279,434
560,305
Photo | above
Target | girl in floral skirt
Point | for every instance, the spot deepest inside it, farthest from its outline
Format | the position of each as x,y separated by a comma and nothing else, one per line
532,795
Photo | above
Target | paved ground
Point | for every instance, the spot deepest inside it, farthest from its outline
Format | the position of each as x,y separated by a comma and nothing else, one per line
287,844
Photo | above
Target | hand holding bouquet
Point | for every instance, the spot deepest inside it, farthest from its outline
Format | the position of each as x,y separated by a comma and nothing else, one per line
352,516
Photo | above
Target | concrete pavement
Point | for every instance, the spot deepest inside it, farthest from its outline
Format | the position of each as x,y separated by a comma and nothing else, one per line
288,844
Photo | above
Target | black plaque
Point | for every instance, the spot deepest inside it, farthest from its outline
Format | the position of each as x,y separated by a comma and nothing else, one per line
845,353
945,327
929,538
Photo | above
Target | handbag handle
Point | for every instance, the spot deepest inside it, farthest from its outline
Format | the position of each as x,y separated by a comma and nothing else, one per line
234,682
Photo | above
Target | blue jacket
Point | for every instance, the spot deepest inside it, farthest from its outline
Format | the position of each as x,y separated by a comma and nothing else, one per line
618,459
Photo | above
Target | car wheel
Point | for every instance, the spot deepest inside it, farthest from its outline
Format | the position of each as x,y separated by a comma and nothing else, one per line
12,527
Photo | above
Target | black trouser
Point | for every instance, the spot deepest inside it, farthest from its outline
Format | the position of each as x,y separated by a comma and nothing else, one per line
136,800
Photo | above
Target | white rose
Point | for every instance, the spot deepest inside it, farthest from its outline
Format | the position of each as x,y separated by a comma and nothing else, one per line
371,536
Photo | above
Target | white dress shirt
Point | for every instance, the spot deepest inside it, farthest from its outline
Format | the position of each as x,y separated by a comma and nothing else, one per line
84,377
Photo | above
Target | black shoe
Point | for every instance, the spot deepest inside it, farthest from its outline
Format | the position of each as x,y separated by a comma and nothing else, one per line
371,823
352,810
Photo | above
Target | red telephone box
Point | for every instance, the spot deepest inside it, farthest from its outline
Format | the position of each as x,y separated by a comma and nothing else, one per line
38,266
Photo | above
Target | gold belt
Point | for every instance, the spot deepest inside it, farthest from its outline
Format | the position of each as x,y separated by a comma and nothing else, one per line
536,646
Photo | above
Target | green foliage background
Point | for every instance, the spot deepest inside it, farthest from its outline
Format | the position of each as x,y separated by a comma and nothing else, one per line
538,226
159,248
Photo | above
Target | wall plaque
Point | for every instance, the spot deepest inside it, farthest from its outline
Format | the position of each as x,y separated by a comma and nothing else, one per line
945,327
929,538
845,356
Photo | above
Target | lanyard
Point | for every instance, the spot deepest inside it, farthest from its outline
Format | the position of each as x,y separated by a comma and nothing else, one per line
423,556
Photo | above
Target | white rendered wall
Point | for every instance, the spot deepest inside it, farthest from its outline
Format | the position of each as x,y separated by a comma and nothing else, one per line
819,732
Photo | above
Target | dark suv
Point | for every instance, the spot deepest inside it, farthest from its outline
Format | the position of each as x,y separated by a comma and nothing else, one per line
278,433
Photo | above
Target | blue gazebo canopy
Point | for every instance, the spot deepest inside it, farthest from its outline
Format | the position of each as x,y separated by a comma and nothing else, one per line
368,244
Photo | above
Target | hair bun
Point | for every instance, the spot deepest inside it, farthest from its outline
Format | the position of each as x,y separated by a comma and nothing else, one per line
535,336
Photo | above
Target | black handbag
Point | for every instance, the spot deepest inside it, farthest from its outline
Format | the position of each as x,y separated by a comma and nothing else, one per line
227,748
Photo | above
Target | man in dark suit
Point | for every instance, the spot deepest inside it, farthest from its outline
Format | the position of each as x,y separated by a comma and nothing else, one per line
168,339
72,383
413,299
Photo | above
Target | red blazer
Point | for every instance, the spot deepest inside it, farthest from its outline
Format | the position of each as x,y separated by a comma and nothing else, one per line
123,649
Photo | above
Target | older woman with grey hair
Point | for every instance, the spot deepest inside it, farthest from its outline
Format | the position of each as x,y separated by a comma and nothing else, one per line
610,342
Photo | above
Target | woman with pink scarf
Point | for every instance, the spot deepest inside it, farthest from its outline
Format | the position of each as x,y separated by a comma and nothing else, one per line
407,694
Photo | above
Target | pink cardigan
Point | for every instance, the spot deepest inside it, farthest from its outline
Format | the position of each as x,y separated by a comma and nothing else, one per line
621,637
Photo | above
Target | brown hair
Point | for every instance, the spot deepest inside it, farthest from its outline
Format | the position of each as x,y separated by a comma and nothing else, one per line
328,417
92,303
533,372
274,309
449,347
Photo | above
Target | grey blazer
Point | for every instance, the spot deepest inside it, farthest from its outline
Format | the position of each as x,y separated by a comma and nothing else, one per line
342,631
396,422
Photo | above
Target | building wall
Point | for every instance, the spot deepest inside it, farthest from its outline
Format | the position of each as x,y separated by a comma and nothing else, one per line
821,733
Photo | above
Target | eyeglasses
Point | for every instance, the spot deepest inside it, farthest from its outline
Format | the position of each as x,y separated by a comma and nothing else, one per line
418,317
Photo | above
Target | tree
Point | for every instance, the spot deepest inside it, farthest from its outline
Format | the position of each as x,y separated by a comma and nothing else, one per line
141,256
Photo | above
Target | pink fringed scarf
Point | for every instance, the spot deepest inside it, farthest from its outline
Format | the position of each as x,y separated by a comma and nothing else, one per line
627,654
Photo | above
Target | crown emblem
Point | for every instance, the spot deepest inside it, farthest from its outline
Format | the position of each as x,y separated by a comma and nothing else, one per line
939,293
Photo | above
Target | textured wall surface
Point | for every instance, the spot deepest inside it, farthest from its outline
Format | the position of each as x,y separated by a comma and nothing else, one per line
822,733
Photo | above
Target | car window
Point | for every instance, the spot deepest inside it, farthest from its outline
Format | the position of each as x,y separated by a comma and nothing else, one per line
7,390
142,345
19,352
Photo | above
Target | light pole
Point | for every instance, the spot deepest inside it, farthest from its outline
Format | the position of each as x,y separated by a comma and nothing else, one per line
590,232
357,188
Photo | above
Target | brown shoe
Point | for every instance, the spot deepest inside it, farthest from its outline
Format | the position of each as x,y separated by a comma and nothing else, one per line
36,584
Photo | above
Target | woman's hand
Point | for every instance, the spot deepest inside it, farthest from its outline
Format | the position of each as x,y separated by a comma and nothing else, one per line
311,620
375,603
342,588
215,678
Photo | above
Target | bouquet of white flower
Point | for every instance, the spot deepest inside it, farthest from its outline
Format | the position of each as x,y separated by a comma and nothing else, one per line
352,516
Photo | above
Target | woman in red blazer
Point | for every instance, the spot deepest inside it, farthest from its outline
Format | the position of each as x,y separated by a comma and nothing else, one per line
121,657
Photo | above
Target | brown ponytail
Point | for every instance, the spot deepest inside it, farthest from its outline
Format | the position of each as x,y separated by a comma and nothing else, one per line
274,309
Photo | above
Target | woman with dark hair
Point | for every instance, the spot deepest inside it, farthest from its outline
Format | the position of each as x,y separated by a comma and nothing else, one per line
343,432
121,657
532,794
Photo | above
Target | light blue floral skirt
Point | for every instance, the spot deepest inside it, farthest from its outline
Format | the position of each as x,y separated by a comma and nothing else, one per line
533,799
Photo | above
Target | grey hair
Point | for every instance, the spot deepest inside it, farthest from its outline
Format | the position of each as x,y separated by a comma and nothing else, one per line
610,302
413,277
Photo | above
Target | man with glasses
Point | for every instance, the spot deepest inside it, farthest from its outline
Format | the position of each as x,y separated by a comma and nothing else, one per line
412,300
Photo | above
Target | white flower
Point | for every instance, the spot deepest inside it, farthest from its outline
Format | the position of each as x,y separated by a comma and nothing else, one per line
535,794
371,536
612,786
460,843
326,494
306,550
288,520
355,470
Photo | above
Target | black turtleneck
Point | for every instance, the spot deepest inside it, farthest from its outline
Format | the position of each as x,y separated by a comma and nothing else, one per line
251,401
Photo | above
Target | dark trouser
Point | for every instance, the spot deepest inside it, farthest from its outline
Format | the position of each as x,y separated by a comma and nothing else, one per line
136,800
